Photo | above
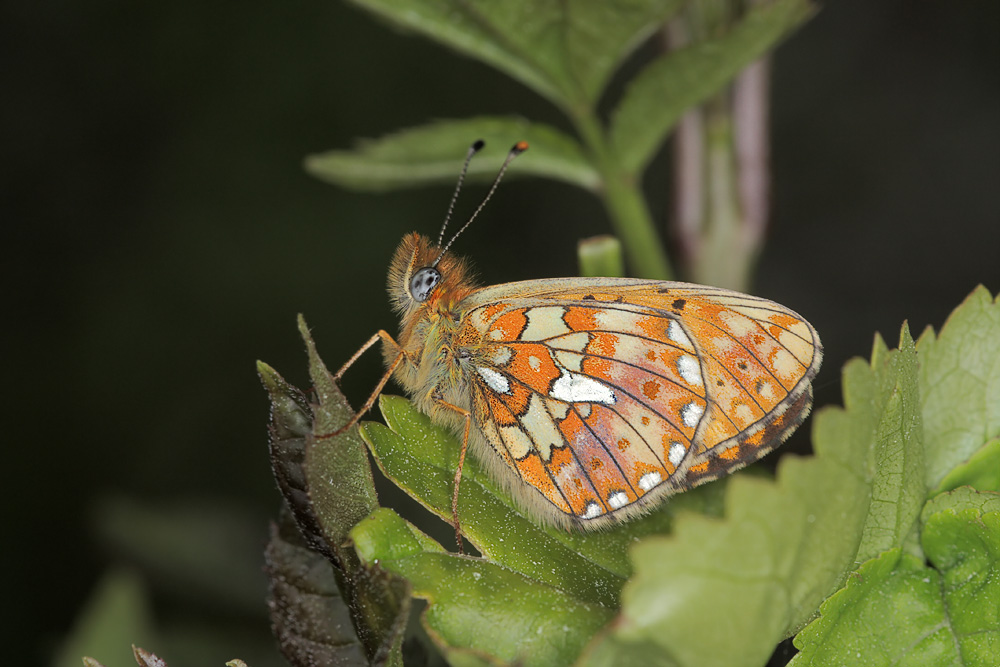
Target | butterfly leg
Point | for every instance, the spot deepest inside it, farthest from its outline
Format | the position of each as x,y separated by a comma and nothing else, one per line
400,356
381,335
458,471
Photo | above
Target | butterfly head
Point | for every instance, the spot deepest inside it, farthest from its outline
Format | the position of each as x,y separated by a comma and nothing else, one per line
420,276
426,275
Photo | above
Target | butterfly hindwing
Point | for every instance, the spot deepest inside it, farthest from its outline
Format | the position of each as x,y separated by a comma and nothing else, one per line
604,395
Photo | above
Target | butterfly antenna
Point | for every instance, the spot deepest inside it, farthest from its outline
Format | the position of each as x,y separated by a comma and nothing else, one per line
473,149
517,149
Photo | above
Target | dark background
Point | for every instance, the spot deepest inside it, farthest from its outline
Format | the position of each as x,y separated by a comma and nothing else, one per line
159,235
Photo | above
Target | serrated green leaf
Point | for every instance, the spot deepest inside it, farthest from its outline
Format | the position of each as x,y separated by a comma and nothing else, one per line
896,610
960,384
784,545
564,51
655,100
601,256
961,537
890,613
897,487
981,472
433,153
959,500
421,458
115,615
477,604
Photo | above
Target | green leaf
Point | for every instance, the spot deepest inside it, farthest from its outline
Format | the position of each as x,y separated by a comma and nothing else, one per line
480,605
115,616
897,610
601,256
784,545
655,100
422,458
981,472
433,154
960,384
564,51
961,537
897,463
889,613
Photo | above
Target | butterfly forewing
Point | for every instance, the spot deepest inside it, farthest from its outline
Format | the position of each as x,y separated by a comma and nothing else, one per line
605,394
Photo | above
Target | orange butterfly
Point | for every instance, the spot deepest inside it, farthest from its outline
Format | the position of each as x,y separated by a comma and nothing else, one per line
592,399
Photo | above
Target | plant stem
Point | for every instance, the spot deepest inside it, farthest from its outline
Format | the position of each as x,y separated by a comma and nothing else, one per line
626,205
721,177
633,224
722,260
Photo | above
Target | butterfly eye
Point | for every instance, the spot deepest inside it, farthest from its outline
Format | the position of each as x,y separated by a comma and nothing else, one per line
423,282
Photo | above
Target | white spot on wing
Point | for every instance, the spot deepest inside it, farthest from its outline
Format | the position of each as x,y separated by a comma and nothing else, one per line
649,480
501,355
575,388
676,453
691,413
689,369
496,381
785,365
593,510
676,333
534,362
766,389
617,499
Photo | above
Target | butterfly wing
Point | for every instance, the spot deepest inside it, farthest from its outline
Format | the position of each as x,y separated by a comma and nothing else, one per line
605,395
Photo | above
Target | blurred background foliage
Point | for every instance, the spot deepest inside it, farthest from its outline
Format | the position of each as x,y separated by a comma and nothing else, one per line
160,234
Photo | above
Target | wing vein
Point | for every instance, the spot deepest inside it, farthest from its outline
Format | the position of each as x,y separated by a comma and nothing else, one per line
605,448
639,435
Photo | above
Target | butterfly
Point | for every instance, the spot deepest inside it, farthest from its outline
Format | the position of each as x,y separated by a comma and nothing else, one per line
592,399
